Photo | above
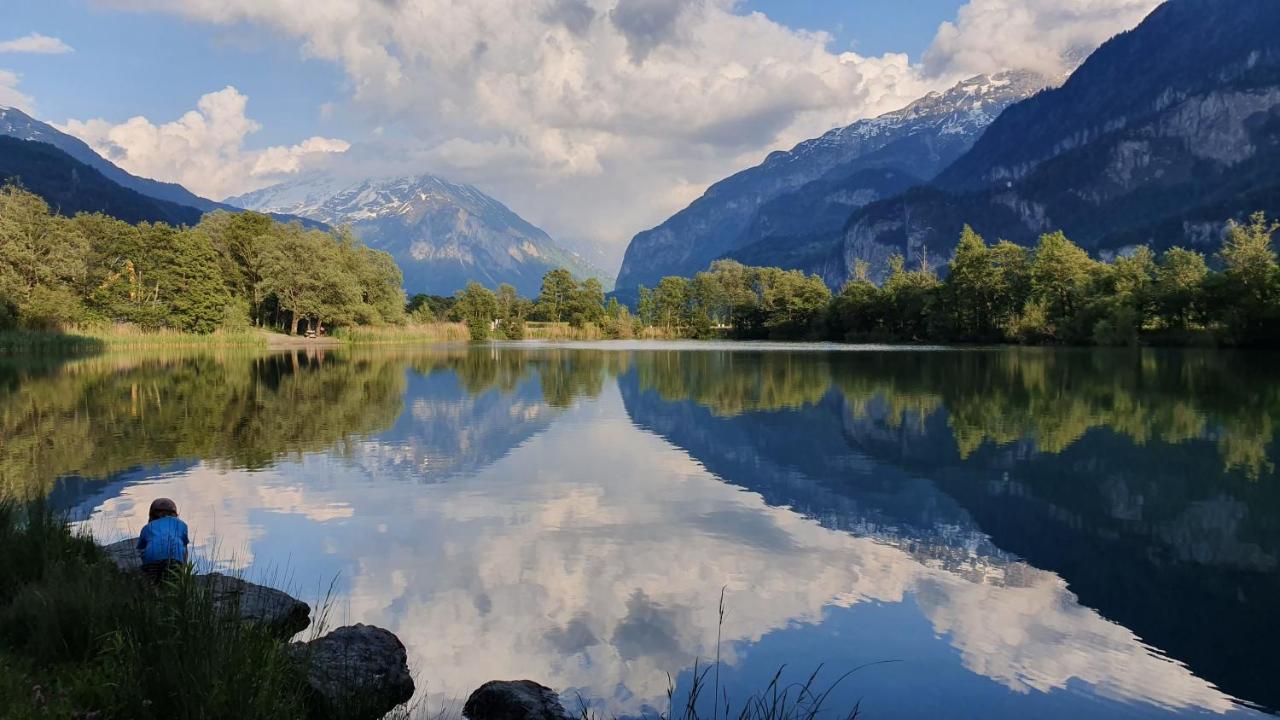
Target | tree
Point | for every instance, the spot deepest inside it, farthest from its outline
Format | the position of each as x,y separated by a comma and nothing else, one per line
1060,275
557,295
909,298
855,312
645,308
794,304
1249,283
512,311
670,302
1125,303
189,279
479,308
1179,288
967,287
241,239
40,254
586,304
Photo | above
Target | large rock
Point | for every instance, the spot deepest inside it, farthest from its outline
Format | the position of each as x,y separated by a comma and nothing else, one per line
360,672
514,700
278,611
125,554
257,604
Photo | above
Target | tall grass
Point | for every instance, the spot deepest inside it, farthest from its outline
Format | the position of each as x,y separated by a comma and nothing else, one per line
563,331
404,334
79,637
25,341
96,338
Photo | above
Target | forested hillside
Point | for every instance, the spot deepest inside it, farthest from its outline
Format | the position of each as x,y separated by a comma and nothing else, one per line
70,186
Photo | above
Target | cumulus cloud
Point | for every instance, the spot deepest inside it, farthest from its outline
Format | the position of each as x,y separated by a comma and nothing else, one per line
35,43
203,150
598,118
1049,36
11,96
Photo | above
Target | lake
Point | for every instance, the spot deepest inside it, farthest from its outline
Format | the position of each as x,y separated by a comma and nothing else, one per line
999,533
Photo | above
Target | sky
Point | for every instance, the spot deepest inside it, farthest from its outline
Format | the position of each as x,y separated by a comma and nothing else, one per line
594,119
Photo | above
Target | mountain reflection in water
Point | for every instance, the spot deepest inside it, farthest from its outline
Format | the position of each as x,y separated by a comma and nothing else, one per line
1058,533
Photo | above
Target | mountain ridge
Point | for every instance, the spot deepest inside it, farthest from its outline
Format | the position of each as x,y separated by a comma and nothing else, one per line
17,124
1164,134
917,141
442,234
70,186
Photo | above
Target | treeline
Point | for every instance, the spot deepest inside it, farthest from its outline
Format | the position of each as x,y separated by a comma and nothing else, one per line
1054,293
228,272
505,315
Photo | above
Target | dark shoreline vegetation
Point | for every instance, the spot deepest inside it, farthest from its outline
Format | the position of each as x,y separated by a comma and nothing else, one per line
1053,294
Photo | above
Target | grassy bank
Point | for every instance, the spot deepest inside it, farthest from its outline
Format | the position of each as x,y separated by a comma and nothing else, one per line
97,338
80,639
100,338
404,334
563,331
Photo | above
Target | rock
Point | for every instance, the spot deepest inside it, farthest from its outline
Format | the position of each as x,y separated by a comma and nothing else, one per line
360,672
276,610
271,608
125,555
514,700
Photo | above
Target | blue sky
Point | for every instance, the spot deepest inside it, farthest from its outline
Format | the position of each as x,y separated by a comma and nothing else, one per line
869,27
593,119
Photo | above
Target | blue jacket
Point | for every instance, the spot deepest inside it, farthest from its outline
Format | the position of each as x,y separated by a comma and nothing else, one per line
164,539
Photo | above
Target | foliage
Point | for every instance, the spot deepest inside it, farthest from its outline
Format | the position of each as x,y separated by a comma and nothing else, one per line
229,271
478,308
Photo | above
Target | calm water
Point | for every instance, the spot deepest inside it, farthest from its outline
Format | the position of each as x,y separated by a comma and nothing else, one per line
1051,534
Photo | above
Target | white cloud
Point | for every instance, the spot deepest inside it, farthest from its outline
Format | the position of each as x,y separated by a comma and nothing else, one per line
1049,36
203,150
11,96
35,43
583,115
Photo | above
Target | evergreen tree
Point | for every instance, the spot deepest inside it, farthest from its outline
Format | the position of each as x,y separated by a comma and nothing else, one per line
478,308
559,291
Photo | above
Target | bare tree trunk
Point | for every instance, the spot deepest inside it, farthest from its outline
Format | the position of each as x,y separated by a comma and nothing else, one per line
293,328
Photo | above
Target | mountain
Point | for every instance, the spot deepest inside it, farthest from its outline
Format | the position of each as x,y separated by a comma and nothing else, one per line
16,124
440,233
1163,134
812,189
70,186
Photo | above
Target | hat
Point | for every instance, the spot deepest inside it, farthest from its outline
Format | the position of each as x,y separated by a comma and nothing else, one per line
162,507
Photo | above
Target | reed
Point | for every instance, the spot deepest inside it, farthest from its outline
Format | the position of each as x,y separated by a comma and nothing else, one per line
440,332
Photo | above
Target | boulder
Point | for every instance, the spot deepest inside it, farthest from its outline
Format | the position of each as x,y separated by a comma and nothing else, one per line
257,604
125,555
359,672
514,700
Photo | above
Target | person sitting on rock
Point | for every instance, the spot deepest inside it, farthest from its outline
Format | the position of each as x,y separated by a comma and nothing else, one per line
163,542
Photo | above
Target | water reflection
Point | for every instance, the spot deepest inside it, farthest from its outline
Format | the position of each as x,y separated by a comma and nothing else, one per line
1051,533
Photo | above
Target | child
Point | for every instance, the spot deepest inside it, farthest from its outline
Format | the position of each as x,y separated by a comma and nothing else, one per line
163,542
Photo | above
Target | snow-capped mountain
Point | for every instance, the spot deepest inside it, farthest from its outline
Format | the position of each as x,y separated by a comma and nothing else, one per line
1165,133
442,234
851,166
